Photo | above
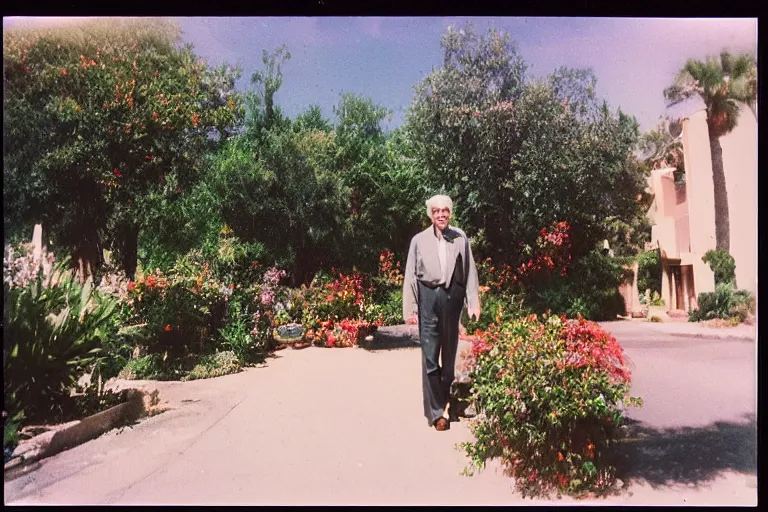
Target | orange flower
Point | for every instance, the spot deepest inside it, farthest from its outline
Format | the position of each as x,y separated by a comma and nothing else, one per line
131,286
167,328
560,456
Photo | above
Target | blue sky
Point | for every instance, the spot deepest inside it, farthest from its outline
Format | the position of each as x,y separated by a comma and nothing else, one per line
384,57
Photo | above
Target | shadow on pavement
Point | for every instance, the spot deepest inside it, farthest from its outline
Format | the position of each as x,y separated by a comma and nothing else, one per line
393,337
687,455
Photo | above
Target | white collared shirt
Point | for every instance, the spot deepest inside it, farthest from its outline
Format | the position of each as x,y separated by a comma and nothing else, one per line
442,254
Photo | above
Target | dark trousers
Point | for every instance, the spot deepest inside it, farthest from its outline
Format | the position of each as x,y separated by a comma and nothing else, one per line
439,315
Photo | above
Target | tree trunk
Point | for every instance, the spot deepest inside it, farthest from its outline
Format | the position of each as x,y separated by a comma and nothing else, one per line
303,262
87,258
130,251
722,216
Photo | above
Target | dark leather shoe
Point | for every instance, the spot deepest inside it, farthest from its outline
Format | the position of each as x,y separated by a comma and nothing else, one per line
442,424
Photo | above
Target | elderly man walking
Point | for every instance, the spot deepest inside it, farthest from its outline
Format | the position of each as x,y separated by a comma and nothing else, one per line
440,275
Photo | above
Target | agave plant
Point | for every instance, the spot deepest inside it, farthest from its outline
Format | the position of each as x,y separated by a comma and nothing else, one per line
53,328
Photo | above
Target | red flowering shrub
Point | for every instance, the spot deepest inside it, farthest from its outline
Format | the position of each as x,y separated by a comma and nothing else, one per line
339,312
178,309
499,278
388,290
552,255
389,269
550,281
547,396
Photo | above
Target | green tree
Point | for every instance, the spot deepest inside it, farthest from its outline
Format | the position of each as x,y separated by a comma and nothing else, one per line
405,187
722,83
281,194
263,114
384,185
106,121
361,166
275,182
312,119
520,155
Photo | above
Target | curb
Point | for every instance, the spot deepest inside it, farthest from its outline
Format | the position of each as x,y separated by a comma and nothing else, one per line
74,433
739,337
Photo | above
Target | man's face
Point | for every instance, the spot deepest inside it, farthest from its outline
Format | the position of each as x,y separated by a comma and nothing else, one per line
440,217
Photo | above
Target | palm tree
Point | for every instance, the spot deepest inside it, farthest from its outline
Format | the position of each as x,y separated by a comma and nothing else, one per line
722,84
659,148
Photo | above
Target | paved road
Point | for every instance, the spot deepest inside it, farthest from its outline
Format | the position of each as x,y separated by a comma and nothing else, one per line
344,426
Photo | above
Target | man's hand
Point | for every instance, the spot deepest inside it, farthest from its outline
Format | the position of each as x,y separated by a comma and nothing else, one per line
412,320
473,313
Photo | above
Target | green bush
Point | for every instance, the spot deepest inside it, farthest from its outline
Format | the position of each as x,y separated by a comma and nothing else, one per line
11,425
215,365
722,264
189,312
180,311
238,335
725,303
495,308
148,367
387,293
236,261
390,310
548,398
53,330
649,271
591,289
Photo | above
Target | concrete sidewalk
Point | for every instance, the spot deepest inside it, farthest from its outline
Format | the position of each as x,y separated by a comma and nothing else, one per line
345,426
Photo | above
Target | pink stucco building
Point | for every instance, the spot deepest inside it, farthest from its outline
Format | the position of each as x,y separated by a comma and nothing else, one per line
683,216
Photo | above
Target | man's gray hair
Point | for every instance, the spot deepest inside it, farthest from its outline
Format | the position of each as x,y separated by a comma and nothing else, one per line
439,201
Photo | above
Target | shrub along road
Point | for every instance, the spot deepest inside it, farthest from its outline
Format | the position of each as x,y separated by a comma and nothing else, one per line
344,426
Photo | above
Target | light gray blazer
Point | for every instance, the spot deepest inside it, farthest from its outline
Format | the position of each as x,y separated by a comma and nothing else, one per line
423,264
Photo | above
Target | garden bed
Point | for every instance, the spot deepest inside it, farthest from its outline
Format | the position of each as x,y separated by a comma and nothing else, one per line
719,323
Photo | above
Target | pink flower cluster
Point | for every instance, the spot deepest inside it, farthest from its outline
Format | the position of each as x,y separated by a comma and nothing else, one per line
273,275
267,296
271,279
19,271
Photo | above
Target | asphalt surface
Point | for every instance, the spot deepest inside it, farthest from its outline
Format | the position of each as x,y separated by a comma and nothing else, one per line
345,426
